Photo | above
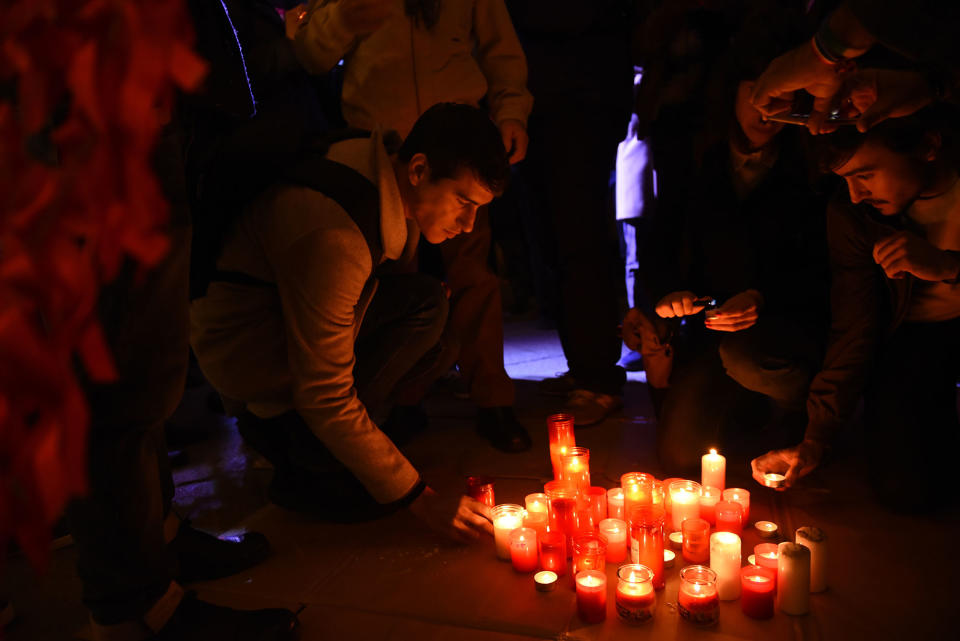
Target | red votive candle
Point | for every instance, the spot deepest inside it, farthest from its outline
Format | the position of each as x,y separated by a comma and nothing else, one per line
481,489
709,497
766,555
523,549
635,597
560,432
562,509
757,585
668,502
592,596
646,543
729,517
597,504
698,601
741,496
589,553
614,532
553,552
575,468
637,490
696,541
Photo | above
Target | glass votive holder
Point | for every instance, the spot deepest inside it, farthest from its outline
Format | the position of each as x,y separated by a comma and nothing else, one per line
597,504
562,509
506,518
697,600
636,599
757,588
637,490
560,433
741,496
537,512
481,489
766,555
646,540
709,497
614,532
684,502
575,468
553,552
615,503
589,553
591,588
696,541
523,549
667,499
729,517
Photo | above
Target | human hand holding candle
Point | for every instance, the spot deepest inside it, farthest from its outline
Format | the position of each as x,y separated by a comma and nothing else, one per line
792,462
456,516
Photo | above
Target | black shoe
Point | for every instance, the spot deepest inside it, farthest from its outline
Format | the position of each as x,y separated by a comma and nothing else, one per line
500,426
203,557
405,422
196,620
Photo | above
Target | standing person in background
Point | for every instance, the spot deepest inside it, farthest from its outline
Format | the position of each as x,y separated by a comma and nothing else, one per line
400,58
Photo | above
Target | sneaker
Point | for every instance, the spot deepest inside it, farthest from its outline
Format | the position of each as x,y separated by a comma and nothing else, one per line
196,620
560,385
203,557
590,408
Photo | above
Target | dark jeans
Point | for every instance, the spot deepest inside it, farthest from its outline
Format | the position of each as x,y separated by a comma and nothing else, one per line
721,390
910,415
398,342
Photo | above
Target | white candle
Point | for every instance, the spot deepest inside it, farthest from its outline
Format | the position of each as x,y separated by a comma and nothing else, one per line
615,533
713,470
545,580
685,500
506,519
741,496
615,503
793,578
815,539
669,556
676,539
725,561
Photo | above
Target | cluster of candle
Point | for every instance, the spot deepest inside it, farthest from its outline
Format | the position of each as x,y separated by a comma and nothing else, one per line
593,526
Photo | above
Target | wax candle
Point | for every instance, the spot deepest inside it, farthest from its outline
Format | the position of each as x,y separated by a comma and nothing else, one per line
766,555
560,432
741,496
637,490
646,540
589,553
553,552
709,497
597,503
615,503
757,586
696,541
481,489
713,470
793,578
676,540
614,532
592,596
537,516
669,556
729,517
816,540
635,597
545,581
506,519
697,600
767,529
774,480
575,468
562,509
685,502
668,500
725,561
523,549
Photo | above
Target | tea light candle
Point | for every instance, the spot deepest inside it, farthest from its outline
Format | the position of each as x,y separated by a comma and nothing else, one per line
523,549
793,578
713,470
635,598
506,519
725,561
697,599
757,589
545,581
614,531
815,539
774,480
709,497
729,517
767,529
684,501
553,552
592,595
615,503
752,559
767,555
696,541
741,496
676,540
669,556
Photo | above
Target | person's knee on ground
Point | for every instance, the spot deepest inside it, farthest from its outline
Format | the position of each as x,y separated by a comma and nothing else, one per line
784,380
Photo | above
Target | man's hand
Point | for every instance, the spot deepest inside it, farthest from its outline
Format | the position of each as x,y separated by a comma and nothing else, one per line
737,314
793,462
515,139
362,17
903,252
457,516
878,94
677,305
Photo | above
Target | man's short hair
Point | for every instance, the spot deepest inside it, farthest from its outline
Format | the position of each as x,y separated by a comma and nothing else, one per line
455,138
908,136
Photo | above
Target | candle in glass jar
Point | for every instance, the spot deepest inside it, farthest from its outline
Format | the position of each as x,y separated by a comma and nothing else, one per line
589,553
757,586
668,499
523,549
713,470
562,508
615,503
506,519
729,517
537,516
553,552
697,600
560,432
816,540
575,468
646,540
635,597
696,541
637,490
597,502
481,489
614,531
725,561
741,496
793,578
684,501
766,555
709,497
592,595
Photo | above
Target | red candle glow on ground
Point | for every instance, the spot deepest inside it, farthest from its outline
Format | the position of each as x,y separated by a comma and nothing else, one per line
523,549
614,531
646,544
696,541
756,591
560,432
729,517
592,596
709,497
481,489
698,601
635,597
553,552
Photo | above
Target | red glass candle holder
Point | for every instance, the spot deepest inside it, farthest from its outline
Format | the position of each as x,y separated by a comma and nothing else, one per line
646,540
709,497
614,532
729,517
757,588
562,509
553,552
481,489
697,600
589,553
668,500
637,490
575,468
696,541
636,599
597,504
560,433
592,595
741,496
523,549
766,555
